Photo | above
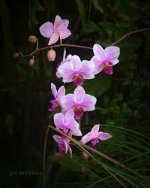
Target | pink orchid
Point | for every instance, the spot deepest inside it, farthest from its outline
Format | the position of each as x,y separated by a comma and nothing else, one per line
76,70
94,136
59,29
105,58
63,144
65,59
67,122
79,102
57,95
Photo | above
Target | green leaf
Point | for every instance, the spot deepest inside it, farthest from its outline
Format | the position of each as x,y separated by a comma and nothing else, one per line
97,86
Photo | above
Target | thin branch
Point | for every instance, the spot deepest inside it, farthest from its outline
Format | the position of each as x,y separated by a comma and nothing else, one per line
44,155
130,33
102,155
56,46
84,47
115,177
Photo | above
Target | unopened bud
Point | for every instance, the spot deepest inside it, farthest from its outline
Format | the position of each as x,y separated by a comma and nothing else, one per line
31,62
32,39
85,156
51,55
15,55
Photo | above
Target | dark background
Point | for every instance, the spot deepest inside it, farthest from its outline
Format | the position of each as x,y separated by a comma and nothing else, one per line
123,98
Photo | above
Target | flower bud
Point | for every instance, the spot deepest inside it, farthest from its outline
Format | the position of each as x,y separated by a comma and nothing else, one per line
15,55
31,62
51,55
32,39
85,156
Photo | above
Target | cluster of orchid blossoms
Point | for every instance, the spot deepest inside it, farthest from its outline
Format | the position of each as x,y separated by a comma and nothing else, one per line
72,69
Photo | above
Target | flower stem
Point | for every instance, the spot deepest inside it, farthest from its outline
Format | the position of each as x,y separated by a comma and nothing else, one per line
84,47
44,155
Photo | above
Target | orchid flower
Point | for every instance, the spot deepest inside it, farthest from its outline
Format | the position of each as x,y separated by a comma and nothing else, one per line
59,29
57,95
67,122
63,144
105,58
65,59
94,136
78,102
76,70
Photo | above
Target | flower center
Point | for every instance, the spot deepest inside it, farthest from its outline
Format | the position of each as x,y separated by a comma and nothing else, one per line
55,105
78,80
78,112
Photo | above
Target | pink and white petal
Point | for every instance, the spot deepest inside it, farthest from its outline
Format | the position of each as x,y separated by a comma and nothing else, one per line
69,116
99,52
114,62
95,129
54,38
68,58
57,22
88,103
66,69
68,102
64,33
74,126
112,52
79,94
98,64
60,93
64,24
54,90
47,29
88,137
59,120
57,138
104,136
87,69
76,62
68,79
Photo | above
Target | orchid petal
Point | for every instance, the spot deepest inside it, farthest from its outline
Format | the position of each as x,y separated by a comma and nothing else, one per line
87,69
59,120
61,92
88,103
54,90
68,101
46,29
54,38
57,22
104,136
79,93
112,52
57,138
76,62
64,24
74,126
88,137
95,129
99,52
64,33
98,64
114,62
